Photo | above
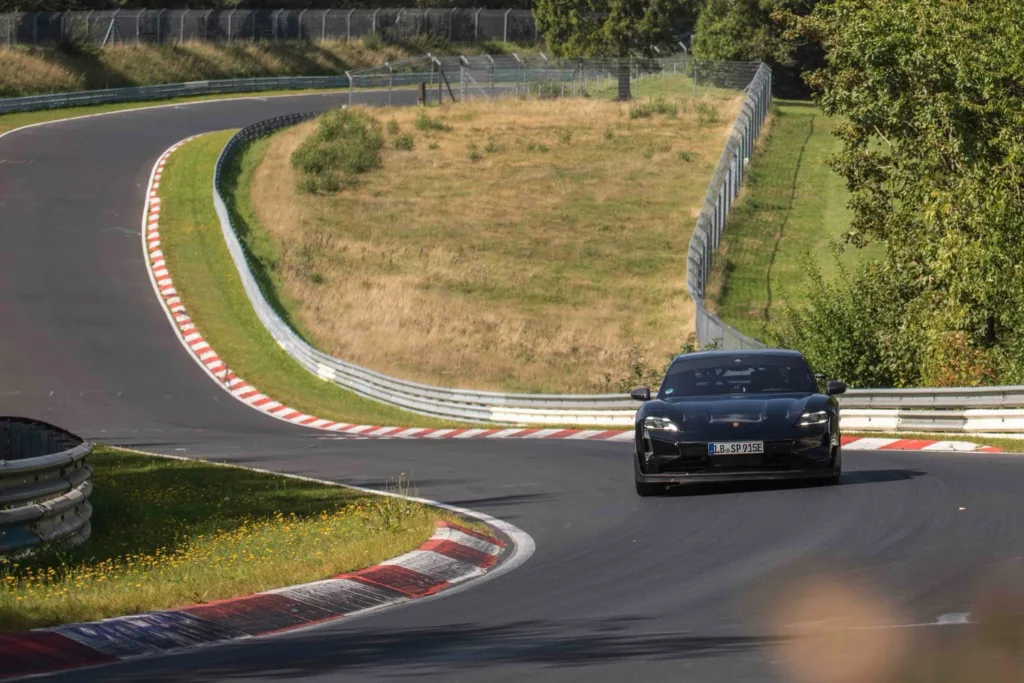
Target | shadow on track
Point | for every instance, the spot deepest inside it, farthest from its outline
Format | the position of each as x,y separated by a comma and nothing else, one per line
564,643
848,479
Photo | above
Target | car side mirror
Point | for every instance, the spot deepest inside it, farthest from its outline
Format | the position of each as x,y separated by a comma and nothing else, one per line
834,388
641,394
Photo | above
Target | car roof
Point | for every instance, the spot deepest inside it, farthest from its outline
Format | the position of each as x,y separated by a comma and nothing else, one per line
742,352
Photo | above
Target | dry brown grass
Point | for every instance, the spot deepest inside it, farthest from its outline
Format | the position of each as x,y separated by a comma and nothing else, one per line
527,270
28,71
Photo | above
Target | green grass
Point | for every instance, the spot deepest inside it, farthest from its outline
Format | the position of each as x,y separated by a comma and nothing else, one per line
168,533
212,292
793,202
667,85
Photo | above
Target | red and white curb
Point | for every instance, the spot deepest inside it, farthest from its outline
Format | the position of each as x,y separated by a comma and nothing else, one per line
453,554
201,351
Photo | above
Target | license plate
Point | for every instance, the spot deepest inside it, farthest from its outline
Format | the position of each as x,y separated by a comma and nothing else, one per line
736,447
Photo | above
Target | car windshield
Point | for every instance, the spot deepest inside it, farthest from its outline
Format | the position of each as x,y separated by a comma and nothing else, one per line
737,374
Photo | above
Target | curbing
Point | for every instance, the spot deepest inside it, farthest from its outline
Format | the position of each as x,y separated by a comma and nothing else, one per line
453,555
199,349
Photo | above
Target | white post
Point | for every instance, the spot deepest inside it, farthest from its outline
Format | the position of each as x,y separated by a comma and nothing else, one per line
505,38
476,25
230,14
300,22
181,31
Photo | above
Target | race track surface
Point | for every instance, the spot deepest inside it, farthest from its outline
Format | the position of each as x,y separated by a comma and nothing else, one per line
678,588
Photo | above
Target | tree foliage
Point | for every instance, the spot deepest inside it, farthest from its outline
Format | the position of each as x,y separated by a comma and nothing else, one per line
611,28
932,95
752,30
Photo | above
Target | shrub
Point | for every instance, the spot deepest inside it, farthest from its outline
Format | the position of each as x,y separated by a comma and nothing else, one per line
345,143
685,156
707,113
609,133
393,127
433,145
493,148
372,41
424,122
404,142
474,153
648,108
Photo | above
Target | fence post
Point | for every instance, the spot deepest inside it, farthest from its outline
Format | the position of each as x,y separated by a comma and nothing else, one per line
181,32
303,12
35,27
230,14
351,87
425,28
375,13
505,37
462,83
391,80
138,26
476,25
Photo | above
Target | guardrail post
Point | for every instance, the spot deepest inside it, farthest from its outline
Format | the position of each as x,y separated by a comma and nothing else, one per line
391,80
351,87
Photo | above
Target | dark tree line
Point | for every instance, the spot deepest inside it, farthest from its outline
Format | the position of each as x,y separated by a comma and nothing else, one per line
63,5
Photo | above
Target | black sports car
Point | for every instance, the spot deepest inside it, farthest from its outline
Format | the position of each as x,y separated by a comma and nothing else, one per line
724,415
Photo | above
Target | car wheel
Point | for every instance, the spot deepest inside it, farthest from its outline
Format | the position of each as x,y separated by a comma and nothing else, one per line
643,488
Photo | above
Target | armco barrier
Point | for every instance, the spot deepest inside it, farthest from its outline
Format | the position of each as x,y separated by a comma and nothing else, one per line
967,410
45,484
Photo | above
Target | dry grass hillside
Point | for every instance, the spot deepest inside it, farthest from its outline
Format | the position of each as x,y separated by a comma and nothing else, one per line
30,71
532,246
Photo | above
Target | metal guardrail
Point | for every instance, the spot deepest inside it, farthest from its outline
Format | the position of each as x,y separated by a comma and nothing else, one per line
967,410
161,92
45,484
722,190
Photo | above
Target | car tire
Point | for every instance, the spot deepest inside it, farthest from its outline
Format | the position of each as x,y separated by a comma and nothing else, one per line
644,489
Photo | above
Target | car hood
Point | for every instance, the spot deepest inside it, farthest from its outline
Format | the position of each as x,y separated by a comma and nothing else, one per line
728,409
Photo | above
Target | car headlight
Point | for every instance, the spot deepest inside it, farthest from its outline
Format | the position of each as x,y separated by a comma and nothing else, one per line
662,423
817,417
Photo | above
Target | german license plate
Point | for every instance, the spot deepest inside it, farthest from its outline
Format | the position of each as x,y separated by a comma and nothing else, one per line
736,448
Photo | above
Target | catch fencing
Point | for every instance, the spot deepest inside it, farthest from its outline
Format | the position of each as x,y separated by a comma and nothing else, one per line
160,26
711,221
45,484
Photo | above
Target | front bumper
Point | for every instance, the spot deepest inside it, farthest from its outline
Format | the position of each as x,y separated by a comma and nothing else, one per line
786,456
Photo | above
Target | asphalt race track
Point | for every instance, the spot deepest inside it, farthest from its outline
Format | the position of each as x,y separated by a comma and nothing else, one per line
680,588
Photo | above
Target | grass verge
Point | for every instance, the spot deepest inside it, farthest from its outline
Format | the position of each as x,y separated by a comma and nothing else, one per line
212,292
793,203
169,533
529,246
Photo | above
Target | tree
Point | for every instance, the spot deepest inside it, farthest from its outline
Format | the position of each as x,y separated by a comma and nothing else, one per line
752,30
612,28
932,95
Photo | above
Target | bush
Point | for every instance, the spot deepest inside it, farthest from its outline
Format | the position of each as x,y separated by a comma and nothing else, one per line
493,147
648,108
345,143
474,153
404,142
372,41
707,113
393,127
424,122
685,156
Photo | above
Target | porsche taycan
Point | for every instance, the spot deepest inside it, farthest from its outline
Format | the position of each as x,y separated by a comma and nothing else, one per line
728,415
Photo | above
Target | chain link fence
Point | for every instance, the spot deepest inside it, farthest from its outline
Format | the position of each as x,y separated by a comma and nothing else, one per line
537,76
157,26
722,191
